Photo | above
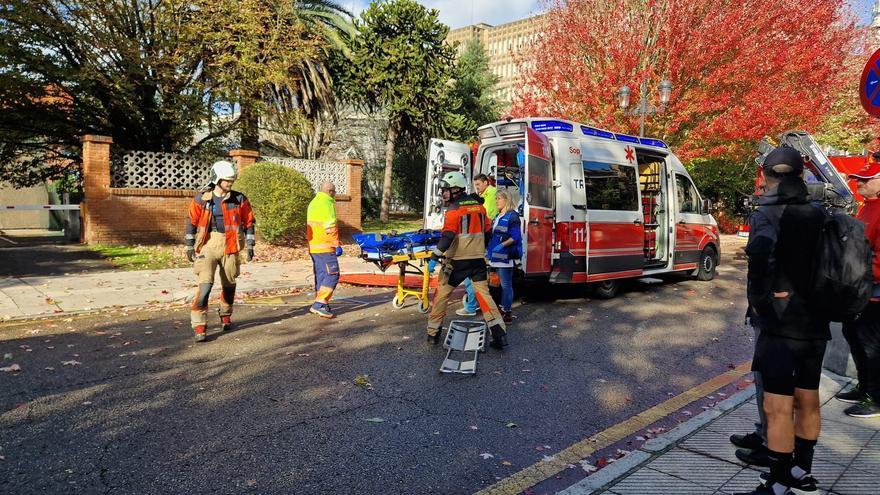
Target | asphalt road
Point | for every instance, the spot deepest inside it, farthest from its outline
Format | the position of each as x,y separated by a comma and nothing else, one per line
287,403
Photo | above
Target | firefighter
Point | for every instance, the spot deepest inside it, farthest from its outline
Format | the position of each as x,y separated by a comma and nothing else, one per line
463,245
487,192
220,224
324,249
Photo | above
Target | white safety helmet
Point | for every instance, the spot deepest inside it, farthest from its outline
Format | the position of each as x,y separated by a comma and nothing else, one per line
453,179
223,170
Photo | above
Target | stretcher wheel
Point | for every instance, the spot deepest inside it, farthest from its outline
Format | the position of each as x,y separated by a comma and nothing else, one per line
424,306
397,304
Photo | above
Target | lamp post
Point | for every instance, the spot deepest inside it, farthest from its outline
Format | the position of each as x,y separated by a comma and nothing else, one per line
624,93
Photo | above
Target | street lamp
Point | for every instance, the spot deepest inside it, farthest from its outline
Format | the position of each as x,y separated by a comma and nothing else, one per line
624,93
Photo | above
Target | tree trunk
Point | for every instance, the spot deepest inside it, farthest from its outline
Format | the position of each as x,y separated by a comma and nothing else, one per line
389,162
250,132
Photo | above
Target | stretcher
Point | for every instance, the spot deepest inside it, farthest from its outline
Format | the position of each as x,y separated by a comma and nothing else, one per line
410,251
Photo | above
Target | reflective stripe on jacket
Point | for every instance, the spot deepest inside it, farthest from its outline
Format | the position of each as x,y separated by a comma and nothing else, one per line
508,227
321,230
464,229
238,221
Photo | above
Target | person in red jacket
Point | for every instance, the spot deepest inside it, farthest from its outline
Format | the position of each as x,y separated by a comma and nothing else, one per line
863,335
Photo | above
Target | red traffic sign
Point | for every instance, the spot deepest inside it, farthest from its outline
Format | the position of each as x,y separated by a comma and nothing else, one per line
869,85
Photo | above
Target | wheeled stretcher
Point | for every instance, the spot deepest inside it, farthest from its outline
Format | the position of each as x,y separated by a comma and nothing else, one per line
410,251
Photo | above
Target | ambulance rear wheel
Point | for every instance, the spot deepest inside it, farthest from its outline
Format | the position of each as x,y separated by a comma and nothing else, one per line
606,289
708,264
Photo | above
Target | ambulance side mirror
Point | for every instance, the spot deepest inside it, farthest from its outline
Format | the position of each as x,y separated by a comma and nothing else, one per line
707,207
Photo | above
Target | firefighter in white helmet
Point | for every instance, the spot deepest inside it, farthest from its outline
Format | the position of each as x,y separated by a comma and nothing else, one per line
220,224
463,245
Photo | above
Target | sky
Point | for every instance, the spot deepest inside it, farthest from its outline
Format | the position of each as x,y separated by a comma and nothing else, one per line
460,13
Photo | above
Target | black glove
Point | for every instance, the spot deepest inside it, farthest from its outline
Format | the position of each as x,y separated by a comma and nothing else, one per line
191,254
250,254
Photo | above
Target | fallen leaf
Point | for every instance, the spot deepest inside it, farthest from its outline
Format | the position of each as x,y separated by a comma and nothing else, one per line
70,363
363,381
601,463
511,425
506,463
474,427
486,455
8,355
374,420
586,466
13,368
548,458
250,482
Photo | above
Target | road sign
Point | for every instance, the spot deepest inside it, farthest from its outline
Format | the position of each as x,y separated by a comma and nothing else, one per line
869,85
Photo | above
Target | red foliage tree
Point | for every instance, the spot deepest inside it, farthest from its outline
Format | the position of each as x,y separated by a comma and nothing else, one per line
740,69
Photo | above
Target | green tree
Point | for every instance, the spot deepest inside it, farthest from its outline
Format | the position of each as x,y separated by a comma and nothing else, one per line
401,66
75,67
475,87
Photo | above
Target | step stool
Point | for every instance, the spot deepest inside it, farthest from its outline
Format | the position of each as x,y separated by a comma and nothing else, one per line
462,338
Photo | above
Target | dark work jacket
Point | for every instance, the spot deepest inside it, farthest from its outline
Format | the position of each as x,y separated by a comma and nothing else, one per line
783,245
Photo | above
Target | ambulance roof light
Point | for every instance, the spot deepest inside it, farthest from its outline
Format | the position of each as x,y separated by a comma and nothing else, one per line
551,125
627,138
652,142
486,133
511,128
592,131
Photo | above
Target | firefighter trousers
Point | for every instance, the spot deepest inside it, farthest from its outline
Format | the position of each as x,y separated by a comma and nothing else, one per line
211,257
447,281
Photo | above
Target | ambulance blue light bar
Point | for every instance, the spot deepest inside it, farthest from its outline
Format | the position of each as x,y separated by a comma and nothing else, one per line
551,125
592,131
652,142
627,138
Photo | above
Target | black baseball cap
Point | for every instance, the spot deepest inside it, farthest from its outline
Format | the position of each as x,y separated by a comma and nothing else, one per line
784,160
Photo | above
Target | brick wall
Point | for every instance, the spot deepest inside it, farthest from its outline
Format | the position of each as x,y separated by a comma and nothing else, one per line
146,216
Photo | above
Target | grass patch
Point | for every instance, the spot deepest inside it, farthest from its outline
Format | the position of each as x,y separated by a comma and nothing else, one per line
400,223
143,257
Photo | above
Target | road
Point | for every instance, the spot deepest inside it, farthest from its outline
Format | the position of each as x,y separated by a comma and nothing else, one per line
125,402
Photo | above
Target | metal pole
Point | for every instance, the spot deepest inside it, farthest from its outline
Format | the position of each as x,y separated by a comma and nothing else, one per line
643,107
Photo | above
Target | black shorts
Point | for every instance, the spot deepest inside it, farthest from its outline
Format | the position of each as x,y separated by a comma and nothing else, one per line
786,364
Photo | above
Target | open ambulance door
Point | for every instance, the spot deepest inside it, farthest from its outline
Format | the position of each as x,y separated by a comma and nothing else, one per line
443,156
538,205
570,236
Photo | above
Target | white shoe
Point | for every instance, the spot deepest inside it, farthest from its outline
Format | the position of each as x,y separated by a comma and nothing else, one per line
465,312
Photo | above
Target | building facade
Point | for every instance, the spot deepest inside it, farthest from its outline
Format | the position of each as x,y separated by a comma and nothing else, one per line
504,44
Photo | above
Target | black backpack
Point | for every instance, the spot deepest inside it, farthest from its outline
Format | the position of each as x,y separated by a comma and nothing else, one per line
842,275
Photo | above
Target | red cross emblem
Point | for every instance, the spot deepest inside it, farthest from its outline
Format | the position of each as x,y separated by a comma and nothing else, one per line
630,154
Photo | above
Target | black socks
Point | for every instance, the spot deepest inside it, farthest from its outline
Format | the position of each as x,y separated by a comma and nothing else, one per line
803,457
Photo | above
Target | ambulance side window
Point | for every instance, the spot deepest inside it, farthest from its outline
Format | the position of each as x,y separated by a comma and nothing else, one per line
688,199
610,187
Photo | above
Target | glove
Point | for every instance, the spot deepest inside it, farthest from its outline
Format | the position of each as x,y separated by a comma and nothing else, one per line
498,248
191,254
250,254
432,264
338,251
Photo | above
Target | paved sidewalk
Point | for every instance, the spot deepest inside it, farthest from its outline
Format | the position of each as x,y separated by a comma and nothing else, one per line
26,297
697,457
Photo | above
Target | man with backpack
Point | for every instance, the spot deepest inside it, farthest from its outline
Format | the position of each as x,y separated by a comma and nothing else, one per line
863,334
784,238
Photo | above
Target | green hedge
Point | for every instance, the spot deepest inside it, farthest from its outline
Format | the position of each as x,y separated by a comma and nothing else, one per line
280,197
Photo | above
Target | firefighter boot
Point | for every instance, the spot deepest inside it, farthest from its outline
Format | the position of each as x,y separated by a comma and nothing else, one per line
499,337
200,334
227,323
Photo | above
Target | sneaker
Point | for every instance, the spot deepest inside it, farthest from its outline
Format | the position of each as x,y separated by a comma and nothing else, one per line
756,457
804,484
865,409
227,323
764,490
851,396
321,311
751,441
465,312
200,334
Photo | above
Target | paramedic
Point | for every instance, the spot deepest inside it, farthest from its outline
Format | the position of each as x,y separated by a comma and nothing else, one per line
324,249
505,246
219,225
463,245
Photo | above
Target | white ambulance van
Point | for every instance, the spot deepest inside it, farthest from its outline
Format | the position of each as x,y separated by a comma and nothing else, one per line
596,206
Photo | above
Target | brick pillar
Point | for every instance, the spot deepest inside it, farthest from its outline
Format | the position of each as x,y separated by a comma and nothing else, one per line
96,181
355,172
244,158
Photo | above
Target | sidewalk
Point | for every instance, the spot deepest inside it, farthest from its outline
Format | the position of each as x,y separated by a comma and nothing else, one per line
28,297
697,457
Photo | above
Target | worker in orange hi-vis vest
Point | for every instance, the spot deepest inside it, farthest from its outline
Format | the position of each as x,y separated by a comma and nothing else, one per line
219,225
324,249
463,245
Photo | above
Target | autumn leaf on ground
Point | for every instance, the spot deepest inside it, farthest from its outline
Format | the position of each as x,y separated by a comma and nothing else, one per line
506,463
8,355
363,381
374,420
11,368
601,463
72,362
486,455
511,425
586,466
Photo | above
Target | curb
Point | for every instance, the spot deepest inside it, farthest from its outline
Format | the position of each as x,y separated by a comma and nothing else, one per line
656,446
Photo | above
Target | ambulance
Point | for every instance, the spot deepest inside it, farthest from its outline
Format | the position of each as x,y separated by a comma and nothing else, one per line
596,206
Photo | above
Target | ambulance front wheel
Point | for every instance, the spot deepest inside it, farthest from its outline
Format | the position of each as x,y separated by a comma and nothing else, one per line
606,289
397,303
708,264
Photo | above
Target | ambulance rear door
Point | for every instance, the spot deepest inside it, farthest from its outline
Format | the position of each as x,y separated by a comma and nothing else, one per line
538,205
570,239
443,156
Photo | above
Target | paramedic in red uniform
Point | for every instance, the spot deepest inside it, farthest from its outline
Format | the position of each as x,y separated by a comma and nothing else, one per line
463,245
219,225
863,335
